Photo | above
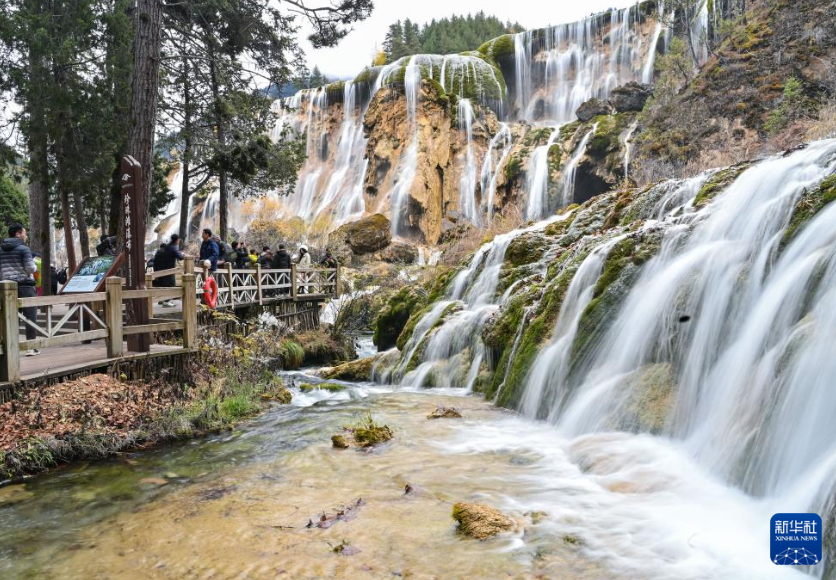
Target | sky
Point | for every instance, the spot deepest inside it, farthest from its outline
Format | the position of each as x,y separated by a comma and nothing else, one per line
355,50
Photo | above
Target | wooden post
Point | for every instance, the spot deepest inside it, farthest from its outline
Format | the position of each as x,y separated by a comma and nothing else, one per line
188,267
293,288
189,310
258,284
9,333
231,295
337,281
149,284
113,316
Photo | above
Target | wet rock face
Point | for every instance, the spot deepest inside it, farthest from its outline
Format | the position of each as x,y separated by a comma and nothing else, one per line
479,521
593,108
630,97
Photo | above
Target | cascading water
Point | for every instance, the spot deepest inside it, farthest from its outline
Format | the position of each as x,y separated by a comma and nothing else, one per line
749,357
409,162
446,348
626,140
581,62
650,61
498,151
567,191
467,182
538,180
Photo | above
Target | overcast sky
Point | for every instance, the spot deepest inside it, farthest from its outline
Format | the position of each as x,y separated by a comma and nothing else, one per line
355,51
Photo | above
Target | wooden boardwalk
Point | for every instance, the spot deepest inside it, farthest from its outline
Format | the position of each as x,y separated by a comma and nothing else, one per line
77,333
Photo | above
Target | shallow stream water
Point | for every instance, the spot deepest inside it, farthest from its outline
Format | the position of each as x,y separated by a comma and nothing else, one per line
236,505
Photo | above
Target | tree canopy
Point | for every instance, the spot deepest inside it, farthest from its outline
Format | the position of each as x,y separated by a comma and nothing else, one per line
445,36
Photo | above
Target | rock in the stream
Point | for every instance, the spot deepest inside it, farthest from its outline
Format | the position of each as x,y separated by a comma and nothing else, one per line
339,442
330,387
364,434
356,370
480,521
445,413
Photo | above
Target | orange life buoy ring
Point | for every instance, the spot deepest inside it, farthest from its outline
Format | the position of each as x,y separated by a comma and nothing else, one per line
210,292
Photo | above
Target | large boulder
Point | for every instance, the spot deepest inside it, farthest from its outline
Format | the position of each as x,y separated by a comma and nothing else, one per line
593,108
398,253
365,236
630,97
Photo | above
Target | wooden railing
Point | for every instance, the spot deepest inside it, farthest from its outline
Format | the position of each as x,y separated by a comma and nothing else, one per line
68,319
91,316
257,285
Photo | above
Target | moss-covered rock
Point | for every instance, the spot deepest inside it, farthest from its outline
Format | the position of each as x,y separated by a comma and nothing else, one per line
330,387
358,370
718,182
392,319
364,236
811,203
480,521
525,249
367,433
322,348
339,442
499,47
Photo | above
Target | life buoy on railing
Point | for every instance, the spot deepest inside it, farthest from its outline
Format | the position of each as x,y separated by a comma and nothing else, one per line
210,292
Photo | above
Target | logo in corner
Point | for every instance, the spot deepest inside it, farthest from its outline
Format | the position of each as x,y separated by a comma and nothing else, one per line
796,539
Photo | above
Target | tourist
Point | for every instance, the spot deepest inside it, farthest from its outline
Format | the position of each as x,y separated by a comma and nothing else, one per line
209,250
18,265
281,261
243,257
231,257
303,259
266,257
328,260
166,259
37,275
107,247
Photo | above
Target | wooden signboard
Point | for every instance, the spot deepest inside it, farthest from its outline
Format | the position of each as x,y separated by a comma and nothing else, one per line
133,224
91,274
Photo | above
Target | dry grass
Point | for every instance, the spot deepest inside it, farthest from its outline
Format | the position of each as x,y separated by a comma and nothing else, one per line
511,218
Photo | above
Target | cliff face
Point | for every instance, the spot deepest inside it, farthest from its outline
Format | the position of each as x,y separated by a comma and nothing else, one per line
442,147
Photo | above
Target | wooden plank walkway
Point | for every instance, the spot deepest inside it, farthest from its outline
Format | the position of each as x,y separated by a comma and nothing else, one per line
62,360
79,332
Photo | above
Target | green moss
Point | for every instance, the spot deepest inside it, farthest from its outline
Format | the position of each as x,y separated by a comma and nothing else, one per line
367,433
555,158
811,203
330,387
559,228
525,249
499,47
393,317
537,137
439,284
568,130
358,370
606,137
718,183
335,91
513,167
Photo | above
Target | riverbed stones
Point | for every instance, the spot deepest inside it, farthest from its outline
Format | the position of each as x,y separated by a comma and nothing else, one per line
339,442
445,413
480,521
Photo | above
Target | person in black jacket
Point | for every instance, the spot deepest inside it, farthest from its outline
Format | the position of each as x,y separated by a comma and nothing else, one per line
18,265
281,261
166,259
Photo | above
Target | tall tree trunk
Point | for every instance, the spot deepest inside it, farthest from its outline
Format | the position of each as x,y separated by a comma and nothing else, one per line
185,194
115,198
220,134
147,18
68,229
81,224
39,169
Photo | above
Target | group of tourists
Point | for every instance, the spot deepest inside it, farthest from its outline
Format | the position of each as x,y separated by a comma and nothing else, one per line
214,252
18,264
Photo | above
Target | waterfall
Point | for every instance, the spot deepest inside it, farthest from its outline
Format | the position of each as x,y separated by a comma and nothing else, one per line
409,162
498,151
467,182
750,357
581,62
626,139
445,348
567,193
650,61
538,179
